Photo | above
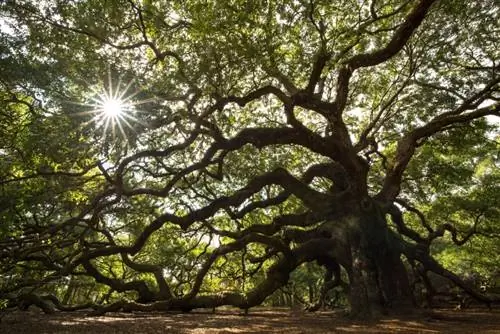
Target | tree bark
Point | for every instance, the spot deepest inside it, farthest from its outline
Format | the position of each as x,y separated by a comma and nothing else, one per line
378,280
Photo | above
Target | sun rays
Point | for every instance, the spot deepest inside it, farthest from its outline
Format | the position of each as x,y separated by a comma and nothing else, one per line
113,108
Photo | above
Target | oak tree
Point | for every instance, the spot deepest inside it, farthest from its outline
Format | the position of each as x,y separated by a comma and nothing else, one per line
173,155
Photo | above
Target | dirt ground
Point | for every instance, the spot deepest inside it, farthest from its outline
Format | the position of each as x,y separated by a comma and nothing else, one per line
257,321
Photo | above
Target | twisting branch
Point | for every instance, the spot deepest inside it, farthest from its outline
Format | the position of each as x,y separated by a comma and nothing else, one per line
439,232
414,210
397,42
145,294
409,143
277,276
332,204
413,253
322,56
397,219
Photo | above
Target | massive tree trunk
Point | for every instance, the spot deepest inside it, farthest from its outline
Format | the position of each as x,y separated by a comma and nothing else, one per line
378,280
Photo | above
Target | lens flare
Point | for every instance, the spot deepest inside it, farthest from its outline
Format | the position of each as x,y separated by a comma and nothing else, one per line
113,108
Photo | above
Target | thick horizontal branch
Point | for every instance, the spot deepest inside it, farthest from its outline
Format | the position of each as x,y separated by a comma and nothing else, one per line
256,94
306,219
276,276
310,197
262,137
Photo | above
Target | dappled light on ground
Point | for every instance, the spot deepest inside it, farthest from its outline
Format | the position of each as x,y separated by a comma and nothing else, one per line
258,321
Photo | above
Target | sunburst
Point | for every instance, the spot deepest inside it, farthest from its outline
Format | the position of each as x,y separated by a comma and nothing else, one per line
113,108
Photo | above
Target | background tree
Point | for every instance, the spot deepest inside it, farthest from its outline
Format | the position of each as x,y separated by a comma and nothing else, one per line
245,139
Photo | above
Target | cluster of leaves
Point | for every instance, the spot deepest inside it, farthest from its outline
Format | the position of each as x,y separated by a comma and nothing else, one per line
253,120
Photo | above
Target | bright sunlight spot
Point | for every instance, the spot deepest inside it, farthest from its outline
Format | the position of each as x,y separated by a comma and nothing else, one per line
112,107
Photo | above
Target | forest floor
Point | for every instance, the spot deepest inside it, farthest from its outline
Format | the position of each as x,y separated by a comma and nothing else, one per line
259,320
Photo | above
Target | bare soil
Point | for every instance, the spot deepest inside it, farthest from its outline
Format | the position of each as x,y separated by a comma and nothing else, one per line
258,320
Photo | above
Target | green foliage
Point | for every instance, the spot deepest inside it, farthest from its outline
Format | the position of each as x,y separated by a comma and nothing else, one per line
197,182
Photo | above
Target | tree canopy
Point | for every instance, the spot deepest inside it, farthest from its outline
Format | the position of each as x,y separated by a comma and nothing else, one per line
251,144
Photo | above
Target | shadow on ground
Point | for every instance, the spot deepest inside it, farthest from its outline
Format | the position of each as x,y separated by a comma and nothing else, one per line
258,321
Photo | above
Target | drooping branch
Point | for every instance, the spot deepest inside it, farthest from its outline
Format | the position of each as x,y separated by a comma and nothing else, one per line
276,276
231,247
331,279
157,271
145,295
331,203
430,264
